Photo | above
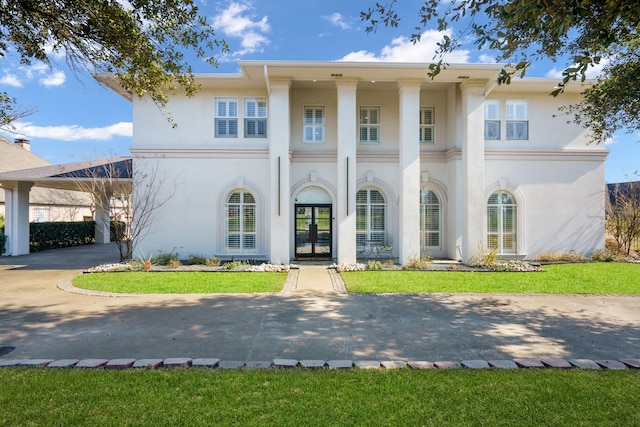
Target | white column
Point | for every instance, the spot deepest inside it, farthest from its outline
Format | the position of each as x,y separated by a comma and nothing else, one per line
16,225
409,143
473,185
346,165
103,222
279,143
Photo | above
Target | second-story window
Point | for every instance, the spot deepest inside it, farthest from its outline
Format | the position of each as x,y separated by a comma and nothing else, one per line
226,117
314,120
427,125
492,119
255,117
517,119
369,125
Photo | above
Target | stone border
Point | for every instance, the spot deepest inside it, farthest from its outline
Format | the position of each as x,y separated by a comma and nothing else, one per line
214,363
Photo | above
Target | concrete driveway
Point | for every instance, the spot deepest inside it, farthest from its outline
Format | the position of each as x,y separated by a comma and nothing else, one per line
42,321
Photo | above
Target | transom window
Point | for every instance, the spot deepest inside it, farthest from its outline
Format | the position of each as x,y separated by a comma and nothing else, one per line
226,117
427,125
517,120
240,223
314,121
369,125
255,117
492,119
371,216
501,223
430,221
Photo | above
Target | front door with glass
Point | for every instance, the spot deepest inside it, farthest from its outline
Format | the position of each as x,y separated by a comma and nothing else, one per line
313,231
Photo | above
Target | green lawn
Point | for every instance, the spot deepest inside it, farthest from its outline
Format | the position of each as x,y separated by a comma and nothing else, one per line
588,278
319,398
181,282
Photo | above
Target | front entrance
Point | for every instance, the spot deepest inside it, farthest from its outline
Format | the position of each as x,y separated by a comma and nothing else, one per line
313,231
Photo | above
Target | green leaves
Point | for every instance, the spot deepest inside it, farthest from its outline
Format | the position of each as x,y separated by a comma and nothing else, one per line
142,42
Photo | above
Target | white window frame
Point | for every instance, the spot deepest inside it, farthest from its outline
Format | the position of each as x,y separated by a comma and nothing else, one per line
427,125
369,128
227,118
427,209
314,119
492,119
517,119
500,212
245,206
369,210
255,117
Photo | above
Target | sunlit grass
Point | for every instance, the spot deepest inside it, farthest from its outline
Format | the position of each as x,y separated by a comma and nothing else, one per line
182,282
587,278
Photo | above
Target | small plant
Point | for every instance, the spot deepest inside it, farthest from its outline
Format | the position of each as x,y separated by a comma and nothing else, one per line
569,256
484,258
606,255
195,259
374,265
212,262
418,263
232,265
388,263
174,263
163,258
144,262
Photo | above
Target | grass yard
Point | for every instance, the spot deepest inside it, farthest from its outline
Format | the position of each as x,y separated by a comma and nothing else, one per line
183,282
323,398
587,278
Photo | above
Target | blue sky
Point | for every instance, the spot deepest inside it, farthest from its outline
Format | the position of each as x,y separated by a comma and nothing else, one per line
76,119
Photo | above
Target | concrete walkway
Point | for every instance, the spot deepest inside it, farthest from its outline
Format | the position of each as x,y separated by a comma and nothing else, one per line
313,322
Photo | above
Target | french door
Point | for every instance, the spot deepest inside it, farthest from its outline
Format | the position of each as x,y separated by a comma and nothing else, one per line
313,231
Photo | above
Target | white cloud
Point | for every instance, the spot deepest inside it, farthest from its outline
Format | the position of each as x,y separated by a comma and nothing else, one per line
73,132
592,72
403,50
486,59
40,72
338,20
236,22
10,80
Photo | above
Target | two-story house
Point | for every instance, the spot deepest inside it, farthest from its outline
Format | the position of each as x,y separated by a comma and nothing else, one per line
289,159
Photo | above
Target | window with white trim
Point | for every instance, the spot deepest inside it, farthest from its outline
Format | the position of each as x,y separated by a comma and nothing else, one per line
371,216
369,125
517,119
427,125
41,214
502,212
255,117
430,221
240,223
226,117
492,117
314,121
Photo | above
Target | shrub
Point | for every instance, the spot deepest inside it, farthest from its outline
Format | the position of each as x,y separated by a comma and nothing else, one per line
195,259
54,235
3,239
232,265
164,258
606,255
212,262
174,263
418,263
374,265
484,258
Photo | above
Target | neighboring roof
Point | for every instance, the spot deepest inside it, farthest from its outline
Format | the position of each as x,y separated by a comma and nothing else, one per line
14,157
624,188
66,176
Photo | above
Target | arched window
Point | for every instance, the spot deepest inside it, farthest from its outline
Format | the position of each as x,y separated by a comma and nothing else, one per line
240,223
371,216
501,223
430,221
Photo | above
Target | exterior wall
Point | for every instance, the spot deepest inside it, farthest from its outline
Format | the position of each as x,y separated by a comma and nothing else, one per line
556,178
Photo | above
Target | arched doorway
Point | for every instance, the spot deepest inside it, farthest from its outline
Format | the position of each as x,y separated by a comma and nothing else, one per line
313,224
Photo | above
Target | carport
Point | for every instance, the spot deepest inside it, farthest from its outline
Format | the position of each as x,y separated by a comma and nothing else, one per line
104,178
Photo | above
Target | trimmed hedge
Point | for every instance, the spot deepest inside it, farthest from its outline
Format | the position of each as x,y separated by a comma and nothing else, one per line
3,239
54,235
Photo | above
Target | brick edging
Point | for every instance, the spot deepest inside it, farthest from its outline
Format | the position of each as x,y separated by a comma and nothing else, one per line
215,363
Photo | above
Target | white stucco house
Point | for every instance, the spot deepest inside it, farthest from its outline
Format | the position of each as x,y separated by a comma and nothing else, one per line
289,159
